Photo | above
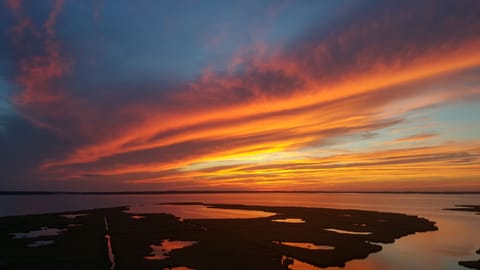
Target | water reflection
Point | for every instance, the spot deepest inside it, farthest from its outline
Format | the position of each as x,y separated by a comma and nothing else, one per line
40,243
305,245
111,256
196,211
162,251
348,232
289,220
73,216
137,217
37,233
294,264
456,240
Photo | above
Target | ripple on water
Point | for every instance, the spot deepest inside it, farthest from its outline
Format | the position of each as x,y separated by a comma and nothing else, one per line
305,245
38,233
294,264
289,220
73,216
40,243
196,211
162,251
348,232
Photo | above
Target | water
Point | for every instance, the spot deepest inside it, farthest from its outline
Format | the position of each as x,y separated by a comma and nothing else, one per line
40,243
162,251
311,246
294,264
111,256
197,211
457,238
38,233
74,216
289,220
348,232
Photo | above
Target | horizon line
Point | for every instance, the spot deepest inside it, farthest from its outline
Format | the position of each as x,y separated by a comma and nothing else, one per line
18,192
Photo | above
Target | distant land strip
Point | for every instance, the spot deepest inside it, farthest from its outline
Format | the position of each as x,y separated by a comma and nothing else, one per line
221,192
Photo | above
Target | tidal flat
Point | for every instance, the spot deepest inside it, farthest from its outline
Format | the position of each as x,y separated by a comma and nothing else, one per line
216,243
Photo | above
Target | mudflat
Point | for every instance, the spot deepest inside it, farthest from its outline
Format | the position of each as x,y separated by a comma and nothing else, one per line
228,243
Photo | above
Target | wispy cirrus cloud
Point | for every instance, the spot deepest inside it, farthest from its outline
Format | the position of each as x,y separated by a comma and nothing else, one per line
270,105
413,138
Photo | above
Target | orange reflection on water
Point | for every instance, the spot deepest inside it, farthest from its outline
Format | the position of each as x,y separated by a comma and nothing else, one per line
195,211
111,256
161,252
431,250
294,264
289,220
305,245
348,232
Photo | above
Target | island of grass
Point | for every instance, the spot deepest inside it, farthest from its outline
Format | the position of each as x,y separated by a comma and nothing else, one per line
248,243
465,208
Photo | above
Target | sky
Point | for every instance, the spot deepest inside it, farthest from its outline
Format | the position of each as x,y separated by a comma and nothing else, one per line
240,95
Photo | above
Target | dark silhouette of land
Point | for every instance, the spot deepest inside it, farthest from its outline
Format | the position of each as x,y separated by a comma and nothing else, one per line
222,243
465,208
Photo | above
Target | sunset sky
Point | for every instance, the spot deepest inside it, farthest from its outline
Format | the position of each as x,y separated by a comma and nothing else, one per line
243,95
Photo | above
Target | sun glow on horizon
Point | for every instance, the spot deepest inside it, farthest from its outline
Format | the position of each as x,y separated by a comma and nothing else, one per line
355,100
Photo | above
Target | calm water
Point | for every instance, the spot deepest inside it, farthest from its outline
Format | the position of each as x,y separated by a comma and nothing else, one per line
457,238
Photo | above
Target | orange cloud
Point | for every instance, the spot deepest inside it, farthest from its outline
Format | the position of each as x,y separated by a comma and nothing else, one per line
250,125
37,72
370,170
44,99
285,81
414,138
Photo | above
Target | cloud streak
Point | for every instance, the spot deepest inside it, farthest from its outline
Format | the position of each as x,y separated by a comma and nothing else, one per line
263,120
413,138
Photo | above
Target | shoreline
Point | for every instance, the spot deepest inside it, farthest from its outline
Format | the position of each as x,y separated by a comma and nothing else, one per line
249,242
